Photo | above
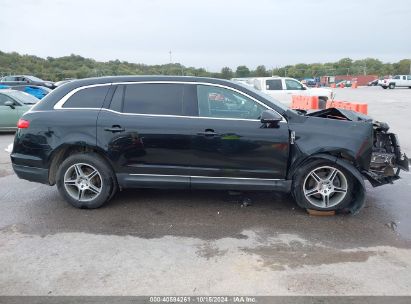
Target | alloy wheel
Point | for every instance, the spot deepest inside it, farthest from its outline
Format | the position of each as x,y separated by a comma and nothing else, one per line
325,187
83,182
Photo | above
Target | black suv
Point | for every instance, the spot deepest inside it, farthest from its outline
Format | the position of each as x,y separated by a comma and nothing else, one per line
94,136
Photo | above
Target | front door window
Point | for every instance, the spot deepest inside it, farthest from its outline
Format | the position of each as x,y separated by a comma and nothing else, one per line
219,102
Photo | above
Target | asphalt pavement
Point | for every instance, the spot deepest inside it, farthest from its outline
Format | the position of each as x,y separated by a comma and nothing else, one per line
159,242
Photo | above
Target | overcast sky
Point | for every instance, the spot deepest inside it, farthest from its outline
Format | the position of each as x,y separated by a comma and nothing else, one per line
209,33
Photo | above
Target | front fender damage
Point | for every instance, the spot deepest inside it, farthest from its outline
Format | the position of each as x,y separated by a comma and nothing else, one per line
356,142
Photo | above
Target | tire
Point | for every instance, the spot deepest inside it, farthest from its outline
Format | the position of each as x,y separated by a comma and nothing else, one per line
384,87
392,86
85,180
310,191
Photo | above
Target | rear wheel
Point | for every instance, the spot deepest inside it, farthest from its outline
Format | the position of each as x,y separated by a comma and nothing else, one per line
322,185
384,87
85,180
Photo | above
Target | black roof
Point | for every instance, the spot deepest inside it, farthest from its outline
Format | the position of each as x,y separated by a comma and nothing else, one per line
52,98
137,78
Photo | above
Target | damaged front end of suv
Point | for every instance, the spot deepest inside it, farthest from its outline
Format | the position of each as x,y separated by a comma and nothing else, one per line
387,160
362,146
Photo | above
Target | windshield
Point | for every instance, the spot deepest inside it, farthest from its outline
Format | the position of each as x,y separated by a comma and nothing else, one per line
35,78
265,96
23,97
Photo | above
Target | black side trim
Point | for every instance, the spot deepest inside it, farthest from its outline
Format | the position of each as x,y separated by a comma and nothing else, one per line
240,184
32,174
153,181
196,182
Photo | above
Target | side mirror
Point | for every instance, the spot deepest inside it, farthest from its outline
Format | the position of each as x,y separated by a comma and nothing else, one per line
9,103
270,117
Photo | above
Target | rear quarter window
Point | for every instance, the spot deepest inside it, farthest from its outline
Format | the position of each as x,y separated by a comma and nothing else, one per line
88,98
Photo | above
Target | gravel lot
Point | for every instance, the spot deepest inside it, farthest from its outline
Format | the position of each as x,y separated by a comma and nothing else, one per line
152,242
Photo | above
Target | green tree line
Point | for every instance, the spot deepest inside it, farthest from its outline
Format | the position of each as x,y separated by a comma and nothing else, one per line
75,66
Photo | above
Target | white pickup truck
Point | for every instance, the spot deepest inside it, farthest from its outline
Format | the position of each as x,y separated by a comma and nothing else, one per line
396,81
283,88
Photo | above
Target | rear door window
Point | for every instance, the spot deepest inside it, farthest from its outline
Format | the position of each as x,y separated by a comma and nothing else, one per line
154,98
88,98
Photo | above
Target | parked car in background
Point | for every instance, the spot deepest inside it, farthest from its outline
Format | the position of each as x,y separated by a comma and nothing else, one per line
282,88
13,104
344,83
94,136
26,79
37,91
396,81
373,82
309,82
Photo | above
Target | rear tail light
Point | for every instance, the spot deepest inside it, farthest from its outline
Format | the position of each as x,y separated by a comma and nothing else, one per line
23,124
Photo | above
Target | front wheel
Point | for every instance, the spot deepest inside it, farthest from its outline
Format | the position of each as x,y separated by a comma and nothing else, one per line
392,86
85,180
322,185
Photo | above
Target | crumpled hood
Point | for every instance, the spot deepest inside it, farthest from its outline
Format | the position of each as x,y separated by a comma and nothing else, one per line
334,113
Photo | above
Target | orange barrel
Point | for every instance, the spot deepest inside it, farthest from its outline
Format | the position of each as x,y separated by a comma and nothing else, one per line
314,102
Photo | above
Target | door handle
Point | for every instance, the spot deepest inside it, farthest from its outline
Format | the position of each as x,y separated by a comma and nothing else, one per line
207,132
114,129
